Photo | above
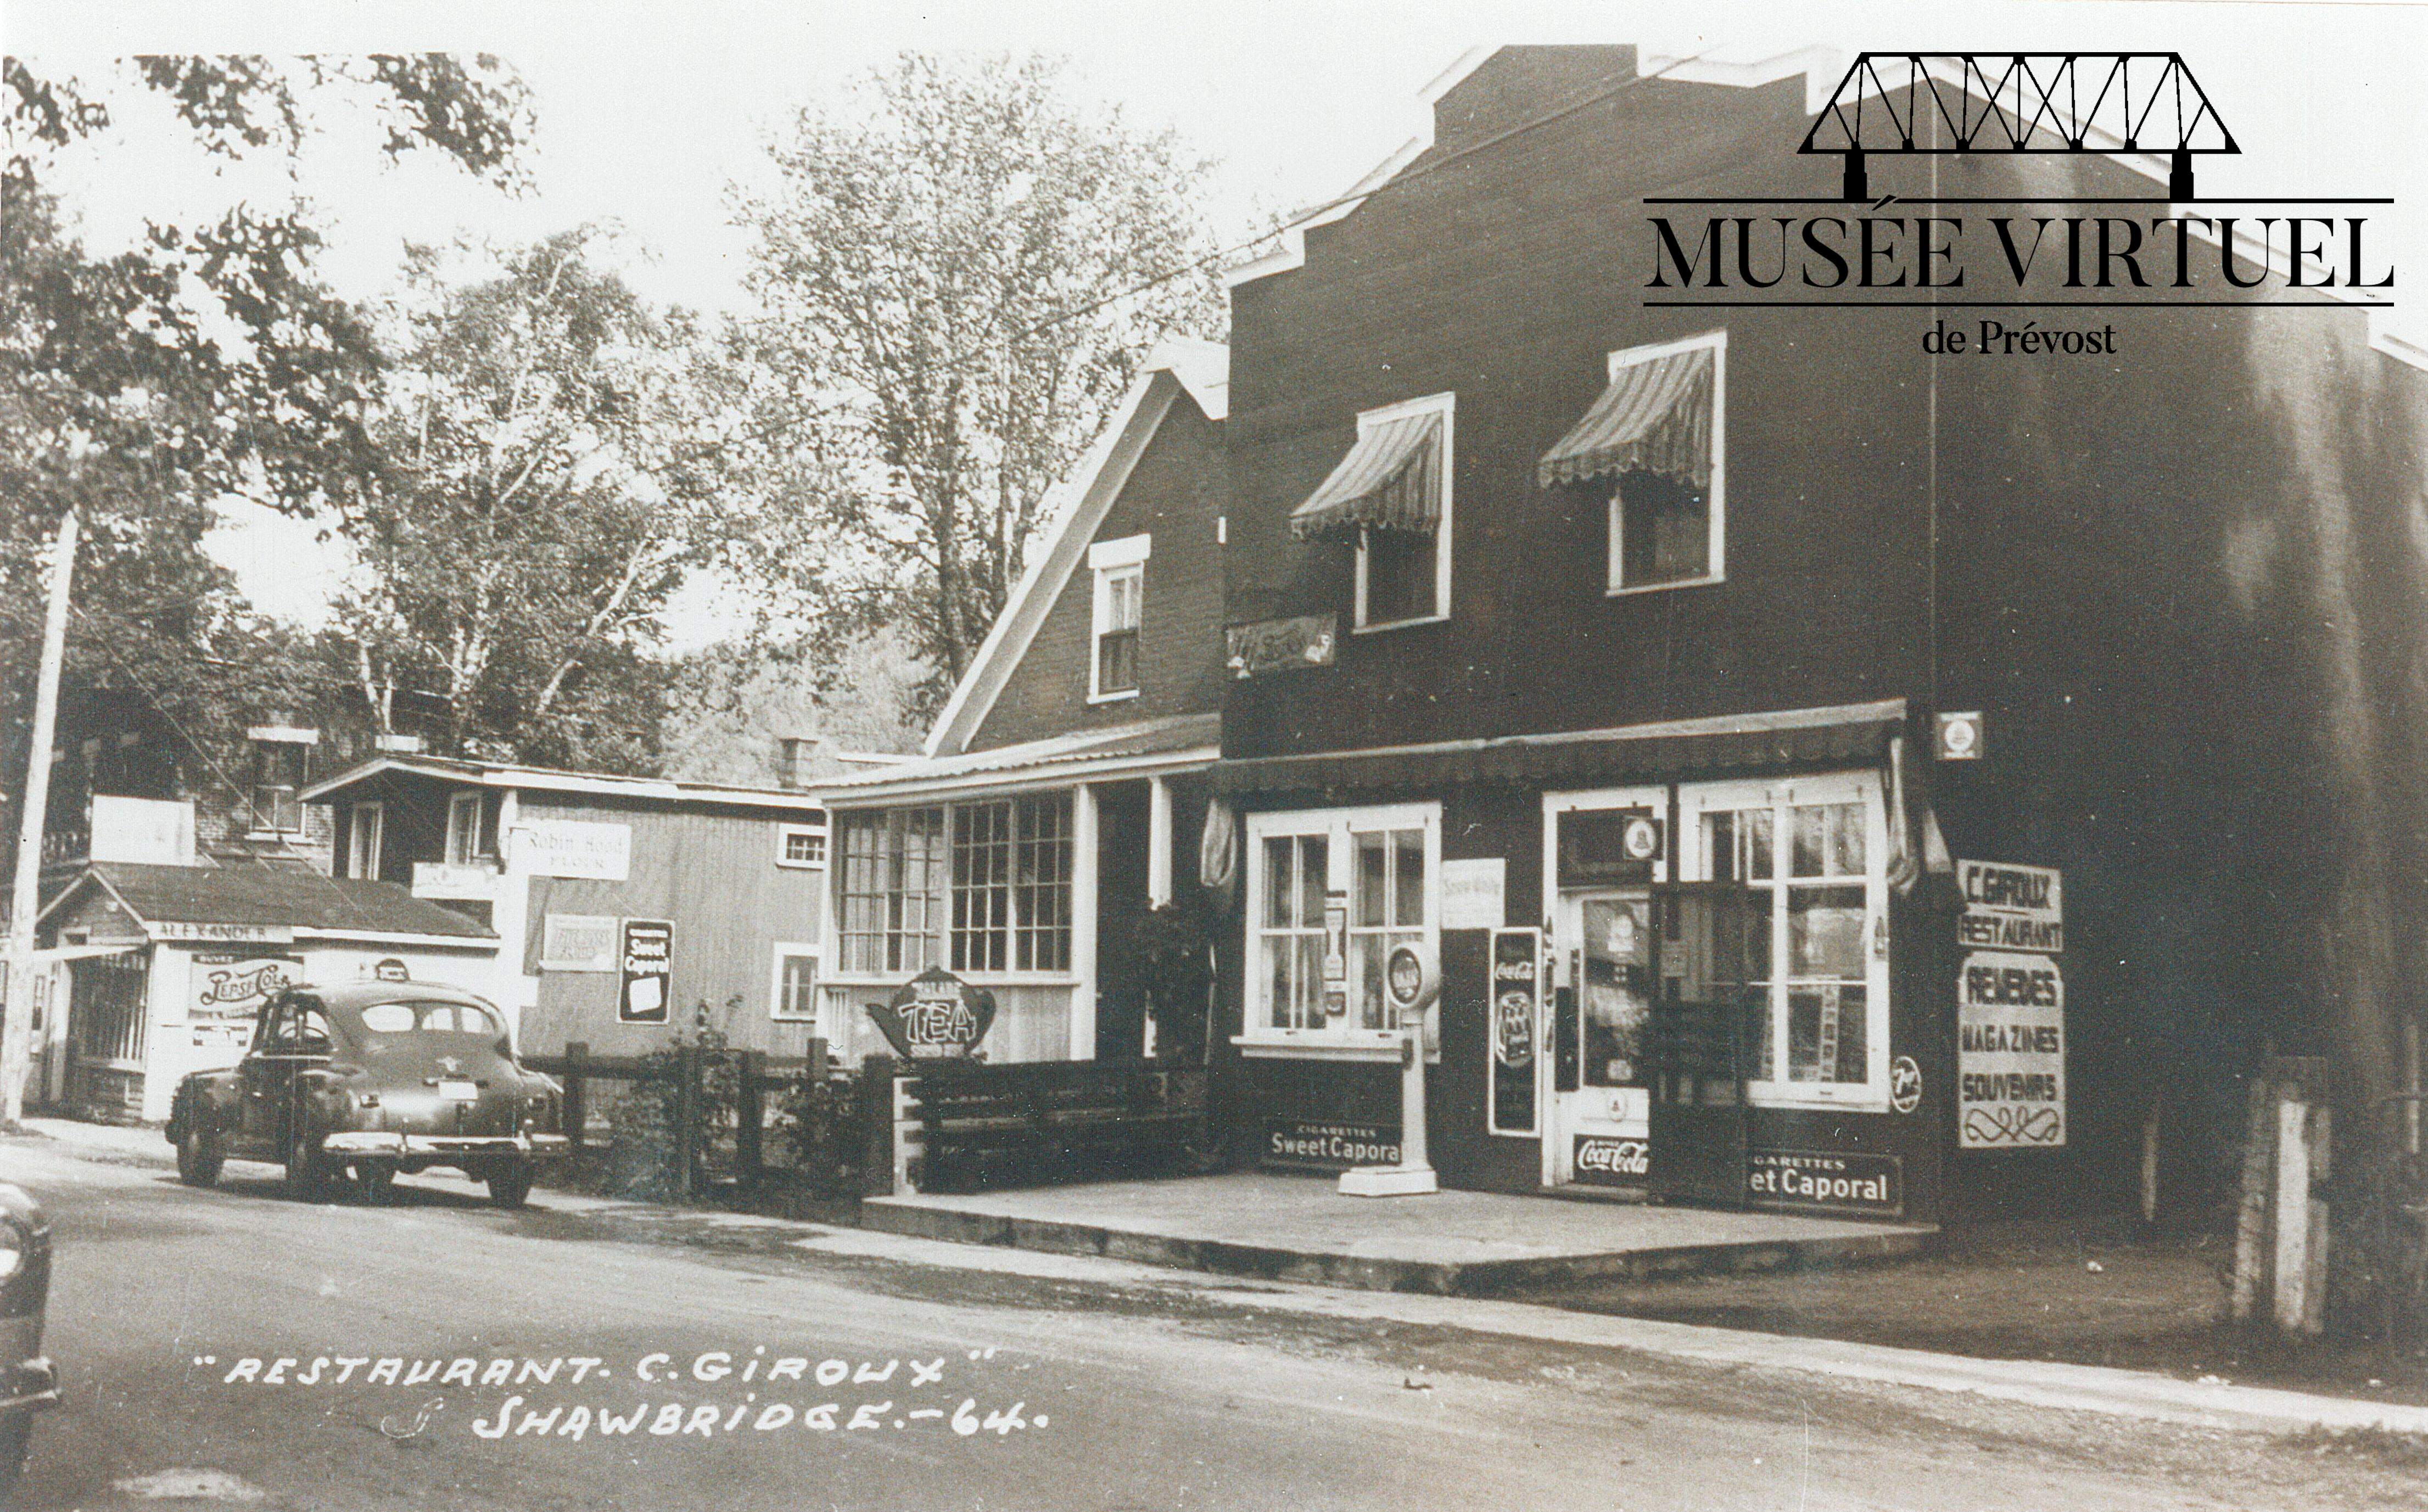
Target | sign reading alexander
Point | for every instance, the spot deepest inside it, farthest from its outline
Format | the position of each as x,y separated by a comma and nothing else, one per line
1322,1146
648,963
1824,1181
934,1015
1601,1161
2009,1052
2010,908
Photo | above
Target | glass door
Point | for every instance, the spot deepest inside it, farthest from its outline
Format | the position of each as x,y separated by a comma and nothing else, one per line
1599,1038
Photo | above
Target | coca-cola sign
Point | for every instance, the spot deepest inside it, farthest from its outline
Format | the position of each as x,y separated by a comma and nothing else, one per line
1604,1160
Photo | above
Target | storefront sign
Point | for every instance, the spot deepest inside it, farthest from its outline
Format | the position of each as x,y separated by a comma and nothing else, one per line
1473,893
2010,908
1601,1161
233,984
1330,1147
223,933
935,1016
1279,645
1821,1181
391,970
647,972
2009,1052
1517,998
578,942
1905,1084
576,847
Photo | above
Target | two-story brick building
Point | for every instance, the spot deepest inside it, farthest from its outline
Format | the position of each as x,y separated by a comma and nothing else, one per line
1645,607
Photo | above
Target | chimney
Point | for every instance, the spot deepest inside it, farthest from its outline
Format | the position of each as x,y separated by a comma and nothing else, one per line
795,757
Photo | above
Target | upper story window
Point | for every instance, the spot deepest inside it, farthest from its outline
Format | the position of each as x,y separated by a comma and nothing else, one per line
462,828
1119,567
1653,447
1393,491
800,845
981,887
281,762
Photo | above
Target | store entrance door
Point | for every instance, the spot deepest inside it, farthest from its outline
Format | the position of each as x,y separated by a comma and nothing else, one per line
1707,954
1602,1015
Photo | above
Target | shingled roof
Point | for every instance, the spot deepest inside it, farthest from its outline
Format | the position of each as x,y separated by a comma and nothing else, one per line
271,896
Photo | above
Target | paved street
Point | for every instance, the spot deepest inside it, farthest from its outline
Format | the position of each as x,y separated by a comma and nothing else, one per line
1132,1391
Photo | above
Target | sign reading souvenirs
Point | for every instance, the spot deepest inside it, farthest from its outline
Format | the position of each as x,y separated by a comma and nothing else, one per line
1516,1008
648,971
1318,1145
2010,908
1603,1161
1825,1182
1473,893
935,1016
2009,1052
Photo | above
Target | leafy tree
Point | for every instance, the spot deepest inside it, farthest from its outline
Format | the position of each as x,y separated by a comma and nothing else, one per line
959,269
547,446
731,704
141,385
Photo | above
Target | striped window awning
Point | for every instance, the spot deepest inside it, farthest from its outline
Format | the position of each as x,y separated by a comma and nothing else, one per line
1390,480
1655,417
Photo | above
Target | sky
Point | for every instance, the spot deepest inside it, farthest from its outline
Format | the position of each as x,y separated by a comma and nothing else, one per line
648,112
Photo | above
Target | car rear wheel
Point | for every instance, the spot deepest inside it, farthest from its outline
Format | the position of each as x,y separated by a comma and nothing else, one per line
200,1154
307,1174
509,1185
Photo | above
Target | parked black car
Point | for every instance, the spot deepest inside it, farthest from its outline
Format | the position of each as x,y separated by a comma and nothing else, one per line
371,1079
27,1383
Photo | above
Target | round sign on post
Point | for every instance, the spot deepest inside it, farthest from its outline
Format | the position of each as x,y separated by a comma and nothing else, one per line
1411,979
1411,982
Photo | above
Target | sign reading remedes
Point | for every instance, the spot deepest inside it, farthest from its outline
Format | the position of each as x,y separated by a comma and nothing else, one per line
2009,1052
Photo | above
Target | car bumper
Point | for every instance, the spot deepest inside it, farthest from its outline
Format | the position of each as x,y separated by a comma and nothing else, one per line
32,1384
437,1146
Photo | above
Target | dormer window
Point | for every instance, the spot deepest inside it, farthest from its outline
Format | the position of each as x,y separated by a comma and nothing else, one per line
1653,447
281,763
1393,492
1119,571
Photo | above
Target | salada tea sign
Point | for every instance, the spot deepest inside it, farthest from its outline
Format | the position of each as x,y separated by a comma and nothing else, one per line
934,1016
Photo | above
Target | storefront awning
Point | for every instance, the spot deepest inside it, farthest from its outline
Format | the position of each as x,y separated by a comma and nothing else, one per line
1389,480
1783,740
1655,417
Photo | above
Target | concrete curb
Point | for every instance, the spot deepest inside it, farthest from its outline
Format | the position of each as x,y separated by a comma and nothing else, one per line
1370,1273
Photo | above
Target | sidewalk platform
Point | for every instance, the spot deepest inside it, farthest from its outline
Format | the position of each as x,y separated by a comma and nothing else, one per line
1450,1244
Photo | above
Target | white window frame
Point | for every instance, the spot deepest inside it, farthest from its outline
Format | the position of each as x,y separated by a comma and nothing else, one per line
1695,864
784,833
1109,562
1718,341
784,951
467,854
937,907
1258,1036
363,841
1445,405
265,739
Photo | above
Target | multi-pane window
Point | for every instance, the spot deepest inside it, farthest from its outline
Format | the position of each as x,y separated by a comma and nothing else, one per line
277,776
1119,609
800,845
981,887
1332,894
462,828
795,996
1814,893
892,890
1117,630
1660,531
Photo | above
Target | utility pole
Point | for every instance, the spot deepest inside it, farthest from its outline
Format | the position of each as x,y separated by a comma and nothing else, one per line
16,1027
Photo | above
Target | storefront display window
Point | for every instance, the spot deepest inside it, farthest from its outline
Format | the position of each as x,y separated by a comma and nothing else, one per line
1808,856
1003,868
1332,893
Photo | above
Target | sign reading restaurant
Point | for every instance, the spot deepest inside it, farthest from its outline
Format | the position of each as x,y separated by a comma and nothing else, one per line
2010,908
2011,1008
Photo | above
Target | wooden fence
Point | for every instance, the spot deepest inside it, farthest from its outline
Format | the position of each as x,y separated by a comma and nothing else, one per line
695,1126
981,1125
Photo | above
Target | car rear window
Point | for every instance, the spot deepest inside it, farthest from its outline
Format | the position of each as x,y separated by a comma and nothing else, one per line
432,1018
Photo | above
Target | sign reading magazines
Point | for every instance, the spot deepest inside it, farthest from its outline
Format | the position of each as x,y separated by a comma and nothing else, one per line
649,968
2010,1009
934,1015
1516,1008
